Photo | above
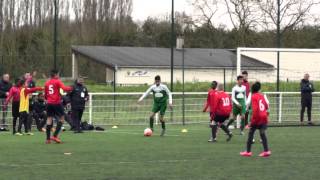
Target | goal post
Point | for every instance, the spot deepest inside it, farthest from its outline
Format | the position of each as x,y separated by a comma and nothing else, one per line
241,50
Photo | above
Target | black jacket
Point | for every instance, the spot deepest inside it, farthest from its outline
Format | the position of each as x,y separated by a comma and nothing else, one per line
306,87
78,96
4,88
39,106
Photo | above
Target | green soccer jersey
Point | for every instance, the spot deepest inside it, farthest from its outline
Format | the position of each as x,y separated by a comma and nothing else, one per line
239,98
161,94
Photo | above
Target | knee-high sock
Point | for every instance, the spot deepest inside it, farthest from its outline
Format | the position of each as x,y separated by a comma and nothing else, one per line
225,129
242,124
151,122
48,131
246,119
230,122
214,129
163,125
264,140
59,125
250,139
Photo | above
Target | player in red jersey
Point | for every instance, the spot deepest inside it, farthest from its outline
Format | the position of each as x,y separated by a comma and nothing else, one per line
247,85
210,104
54,106
259,120
222,110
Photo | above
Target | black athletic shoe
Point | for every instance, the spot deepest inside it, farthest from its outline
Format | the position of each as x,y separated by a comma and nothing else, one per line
310,123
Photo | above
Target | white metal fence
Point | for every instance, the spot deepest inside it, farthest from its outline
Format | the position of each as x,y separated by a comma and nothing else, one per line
122,108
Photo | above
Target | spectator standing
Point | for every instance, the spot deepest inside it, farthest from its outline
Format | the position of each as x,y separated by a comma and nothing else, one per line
5,87
306,88
14,94
78,97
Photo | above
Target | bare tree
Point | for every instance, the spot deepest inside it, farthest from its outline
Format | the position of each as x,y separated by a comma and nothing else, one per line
207,9
292,12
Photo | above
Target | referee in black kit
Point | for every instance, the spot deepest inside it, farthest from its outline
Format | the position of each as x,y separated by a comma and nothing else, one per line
306,88
78,98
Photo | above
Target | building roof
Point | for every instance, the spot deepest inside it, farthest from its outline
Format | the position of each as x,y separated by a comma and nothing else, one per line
160,57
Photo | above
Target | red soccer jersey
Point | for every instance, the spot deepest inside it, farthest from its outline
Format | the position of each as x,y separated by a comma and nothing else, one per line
210,100
223,105
52,90
259,109
14,93
247,85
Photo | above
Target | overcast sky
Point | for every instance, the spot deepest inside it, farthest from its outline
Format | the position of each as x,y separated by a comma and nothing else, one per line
144,8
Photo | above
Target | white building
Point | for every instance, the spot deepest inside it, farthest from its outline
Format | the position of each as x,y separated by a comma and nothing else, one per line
139,65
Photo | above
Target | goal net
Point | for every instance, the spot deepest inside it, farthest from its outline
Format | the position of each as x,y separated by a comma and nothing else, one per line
289,65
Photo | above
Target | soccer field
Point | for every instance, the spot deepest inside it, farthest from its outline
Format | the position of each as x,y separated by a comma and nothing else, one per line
124,153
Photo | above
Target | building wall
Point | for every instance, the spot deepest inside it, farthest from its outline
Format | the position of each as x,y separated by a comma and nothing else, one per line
292,65
132,76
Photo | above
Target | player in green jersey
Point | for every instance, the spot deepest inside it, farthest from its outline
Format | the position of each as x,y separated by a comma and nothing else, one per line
239,102
161,94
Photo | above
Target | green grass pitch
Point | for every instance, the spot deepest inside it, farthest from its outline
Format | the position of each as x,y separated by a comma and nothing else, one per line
124,153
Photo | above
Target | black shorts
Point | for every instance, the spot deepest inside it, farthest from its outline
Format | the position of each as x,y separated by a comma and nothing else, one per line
55,110
262,127
15,109
220,119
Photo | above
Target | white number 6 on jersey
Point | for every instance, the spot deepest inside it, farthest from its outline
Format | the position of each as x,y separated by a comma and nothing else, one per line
261,106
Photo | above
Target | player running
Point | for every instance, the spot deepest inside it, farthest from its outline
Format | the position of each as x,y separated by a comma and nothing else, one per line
54,106
259,120
161,94
210,104
239,103
222,110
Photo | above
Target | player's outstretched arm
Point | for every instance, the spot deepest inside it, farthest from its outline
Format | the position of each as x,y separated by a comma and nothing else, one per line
144,95
65,88
32,90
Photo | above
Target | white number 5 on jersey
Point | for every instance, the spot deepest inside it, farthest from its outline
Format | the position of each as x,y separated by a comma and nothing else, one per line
51,91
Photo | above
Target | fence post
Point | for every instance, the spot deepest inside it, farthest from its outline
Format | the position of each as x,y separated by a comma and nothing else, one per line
90,108
280,107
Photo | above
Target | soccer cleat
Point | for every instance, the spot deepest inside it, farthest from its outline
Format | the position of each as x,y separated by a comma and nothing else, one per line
55,139
253,141
48,141
241,133
212,140
265,154
310,123
163,132
246,154
18,134
29,134
229,137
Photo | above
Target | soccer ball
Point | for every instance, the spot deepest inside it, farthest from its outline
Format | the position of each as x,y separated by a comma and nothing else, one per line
147,132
